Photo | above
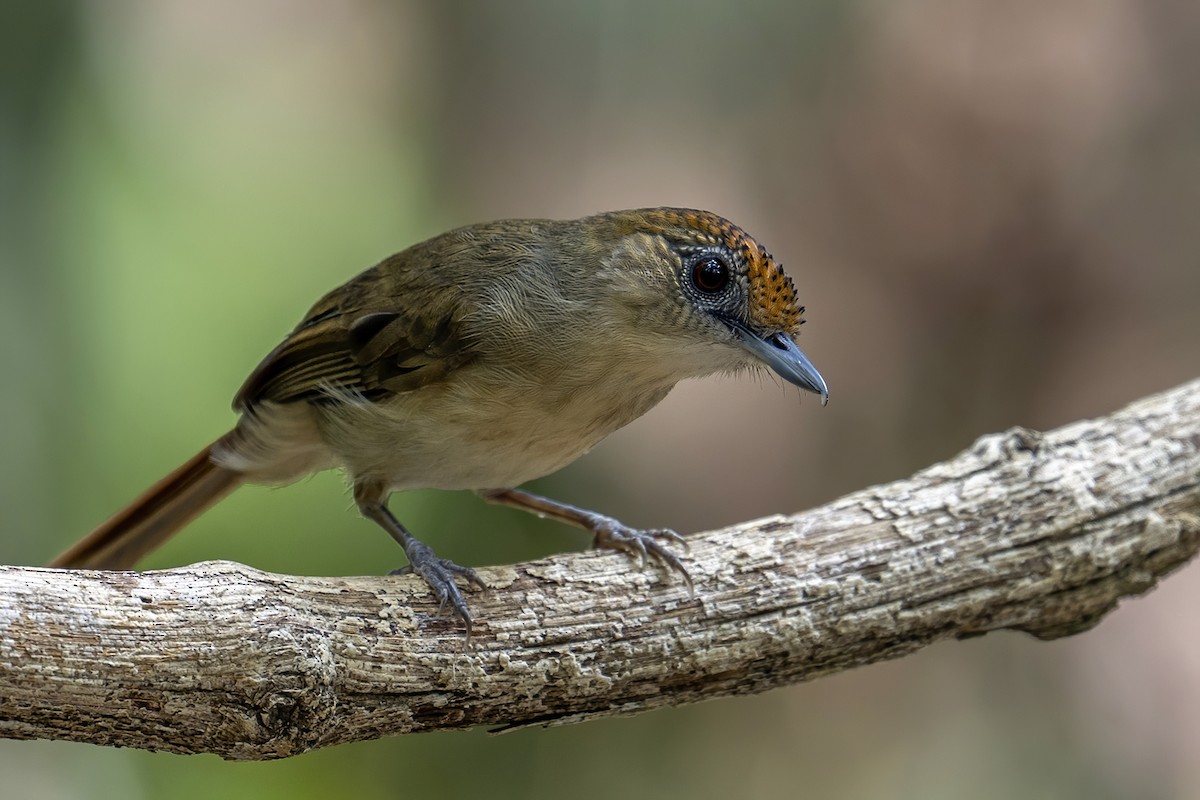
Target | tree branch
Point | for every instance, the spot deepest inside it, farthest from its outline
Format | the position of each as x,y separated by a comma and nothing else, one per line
1036,532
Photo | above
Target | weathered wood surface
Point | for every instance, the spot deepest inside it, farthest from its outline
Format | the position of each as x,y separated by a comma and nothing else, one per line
1037,532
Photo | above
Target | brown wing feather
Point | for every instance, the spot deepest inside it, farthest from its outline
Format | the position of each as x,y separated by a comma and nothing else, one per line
356,342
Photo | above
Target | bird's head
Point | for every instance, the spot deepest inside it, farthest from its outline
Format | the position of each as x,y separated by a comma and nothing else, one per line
732,306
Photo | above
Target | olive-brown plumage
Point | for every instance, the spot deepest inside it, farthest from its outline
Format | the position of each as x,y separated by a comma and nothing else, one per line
483,358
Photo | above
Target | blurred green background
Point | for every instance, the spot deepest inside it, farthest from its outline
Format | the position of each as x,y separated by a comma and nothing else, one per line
990,209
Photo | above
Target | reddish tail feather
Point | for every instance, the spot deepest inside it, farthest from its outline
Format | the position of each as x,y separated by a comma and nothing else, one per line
150,520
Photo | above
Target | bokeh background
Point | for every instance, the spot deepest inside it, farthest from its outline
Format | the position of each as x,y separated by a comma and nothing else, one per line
990,209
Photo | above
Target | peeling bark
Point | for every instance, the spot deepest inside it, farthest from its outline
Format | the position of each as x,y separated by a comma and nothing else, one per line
1036,532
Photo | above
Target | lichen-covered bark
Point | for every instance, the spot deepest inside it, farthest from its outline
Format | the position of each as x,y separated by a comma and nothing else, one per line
1037,532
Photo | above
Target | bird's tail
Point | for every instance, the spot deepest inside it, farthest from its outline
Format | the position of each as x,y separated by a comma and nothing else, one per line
151,519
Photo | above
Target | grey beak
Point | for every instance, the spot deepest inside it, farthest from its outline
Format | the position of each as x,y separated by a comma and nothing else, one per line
781,354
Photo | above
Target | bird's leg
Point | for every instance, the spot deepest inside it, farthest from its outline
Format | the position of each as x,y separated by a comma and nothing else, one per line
438,572
607,531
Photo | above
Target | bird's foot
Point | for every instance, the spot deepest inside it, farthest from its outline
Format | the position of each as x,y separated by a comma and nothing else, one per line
614,535
439,574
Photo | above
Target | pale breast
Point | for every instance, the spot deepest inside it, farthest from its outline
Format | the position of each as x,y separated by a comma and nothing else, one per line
479,434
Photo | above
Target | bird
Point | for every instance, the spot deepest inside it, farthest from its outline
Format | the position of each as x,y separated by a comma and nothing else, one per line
484,358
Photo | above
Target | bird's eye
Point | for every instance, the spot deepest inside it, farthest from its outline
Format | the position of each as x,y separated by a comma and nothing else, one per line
710,274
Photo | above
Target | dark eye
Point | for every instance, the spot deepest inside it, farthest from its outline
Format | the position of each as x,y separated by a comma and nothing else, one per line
710,274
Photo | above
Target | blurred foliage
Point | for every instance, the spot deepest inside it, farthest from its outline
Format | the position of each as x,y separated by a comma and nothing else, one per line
988,208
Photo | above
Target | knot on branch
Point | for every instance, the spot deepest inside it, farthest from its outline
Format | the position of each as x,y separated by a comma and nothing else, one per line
291,704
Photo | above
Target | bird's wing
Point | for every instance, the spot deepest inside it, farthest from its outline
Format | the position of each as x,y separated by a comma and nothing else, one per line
358,343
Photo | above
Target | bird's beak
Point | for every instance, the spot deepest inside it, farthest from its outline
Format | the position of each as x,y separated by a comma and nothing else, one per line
781,354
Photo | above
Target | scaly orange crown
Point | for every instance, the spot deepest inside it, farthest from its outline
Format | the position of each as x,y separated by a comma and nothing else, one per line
773,305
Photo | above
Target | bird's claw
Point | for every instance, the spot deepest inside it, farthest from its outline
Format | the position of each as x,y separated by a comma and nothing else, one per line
613,535
439,574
